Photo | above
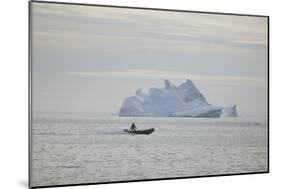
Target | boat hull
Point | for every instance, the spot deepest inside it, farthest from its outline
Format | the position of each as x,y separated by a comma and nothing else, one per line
140,132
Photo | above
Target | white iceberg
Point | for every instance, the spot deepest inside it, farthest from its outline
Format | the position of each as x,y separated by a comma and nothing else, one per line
184,100
229,111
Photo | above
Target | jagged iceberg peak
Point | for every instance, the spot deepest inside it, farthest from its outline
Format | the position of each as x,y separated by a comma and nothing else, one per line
139,92
184,100
187,84
191,92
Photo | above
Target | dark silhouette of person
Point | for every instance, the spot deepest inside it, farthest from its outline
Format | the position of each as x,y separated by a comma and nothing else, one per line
133,127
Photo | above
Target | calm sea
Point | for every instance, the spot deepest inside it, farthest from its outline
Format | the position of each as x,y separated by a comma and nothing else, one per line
74,149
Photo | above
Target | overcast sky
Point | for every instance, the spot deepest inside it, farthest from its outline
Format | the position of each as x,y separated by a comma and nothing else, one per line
88,59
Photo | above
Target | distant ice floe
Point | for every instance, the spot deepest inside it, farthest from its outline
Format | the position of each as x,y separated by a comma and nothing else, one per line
229,111
184,100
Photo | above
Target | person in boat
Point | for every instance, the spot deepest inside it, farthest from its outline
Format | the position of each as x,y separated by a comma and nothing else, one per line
133,127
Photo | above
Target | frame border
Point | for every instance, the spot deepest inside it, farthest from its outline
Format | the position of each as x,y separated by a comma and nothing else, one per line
30,99
30,94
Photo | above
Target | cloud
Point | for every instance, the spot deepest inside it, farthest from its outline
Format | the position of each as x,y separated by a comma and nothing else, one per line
158,27
179,75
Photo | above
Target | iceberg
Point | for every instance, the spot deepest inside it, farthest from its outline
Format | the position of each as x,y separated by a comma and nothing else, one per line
229,111
184,100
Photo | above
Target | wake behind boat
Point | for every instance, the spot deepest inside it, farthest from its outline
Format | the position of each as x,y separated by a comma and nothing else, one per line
144,132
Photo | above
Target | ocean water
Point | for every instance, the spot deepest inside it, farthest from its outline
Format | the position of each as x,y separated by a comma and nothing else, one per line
89,149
